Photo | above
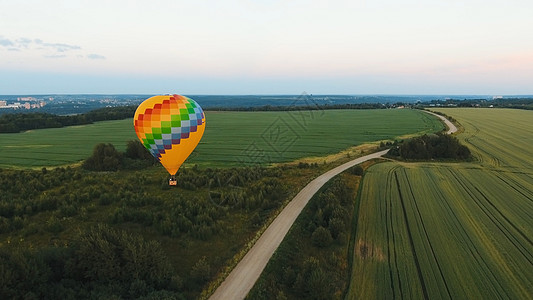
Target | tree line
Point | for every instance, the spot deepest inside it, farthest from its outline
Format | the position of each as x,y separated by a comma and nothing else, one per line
516,103
106,157
314,106
428,147
17,122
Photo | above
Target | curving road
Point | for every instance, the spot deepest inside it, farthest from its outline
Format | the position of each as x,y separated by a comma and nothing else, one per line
451,127
243,277
245,274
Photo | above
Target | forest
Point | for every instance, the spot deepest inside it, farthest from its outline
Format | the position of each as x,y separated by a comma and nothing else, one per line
113,228
17,122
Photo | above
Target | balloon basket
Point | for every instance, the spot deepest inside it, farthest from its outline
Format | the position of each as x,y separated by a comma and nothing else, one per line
172,181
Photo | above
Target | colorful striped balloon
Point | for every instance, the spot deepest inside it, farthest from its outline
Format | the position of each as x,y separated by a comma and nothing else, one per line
170,127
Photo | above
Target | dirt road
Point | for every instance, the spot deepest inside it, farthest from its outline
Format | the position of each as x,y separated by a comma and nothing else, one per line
243,277
245,274
451,127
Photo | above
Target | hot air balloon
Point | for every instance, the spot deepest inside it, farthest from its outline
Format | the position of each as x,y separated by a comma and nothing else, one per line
170,127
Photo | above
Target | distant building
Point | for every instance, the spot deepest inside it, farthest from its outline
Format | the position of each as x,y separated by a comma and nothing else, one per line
3,103
26,99
497,97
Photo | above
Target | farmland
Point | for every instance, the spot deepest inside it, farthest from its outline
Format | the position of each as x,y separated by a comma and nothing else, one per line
500,138
458,230
231,137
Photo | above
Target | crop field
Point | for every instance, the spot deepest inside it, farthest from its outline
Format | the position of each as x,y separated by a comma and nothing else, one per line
456,230
499,137
60,146
231,138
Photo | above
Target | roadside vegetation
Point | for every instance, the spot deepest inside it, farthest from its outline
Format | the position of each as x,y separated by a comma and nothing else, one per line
312,260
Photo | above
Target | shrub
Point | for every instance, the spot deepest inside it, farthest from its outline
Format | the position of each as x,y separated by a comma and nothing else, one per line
321,237
356,170
104,158
201,271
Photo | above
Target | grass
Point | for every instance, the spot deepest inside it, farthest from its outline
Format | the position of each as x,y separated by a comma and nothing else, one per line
462,230
231,138
61,146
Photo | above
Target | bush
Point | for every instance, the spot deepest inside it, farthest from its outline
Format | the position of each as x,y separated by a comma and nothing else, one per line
336,226
136,150
201,271
356,170
104,158
106,255
321,237
21,274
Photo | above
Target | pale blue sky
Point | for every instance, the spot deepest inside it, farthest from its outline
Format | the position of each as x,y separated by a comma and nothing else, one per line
266,47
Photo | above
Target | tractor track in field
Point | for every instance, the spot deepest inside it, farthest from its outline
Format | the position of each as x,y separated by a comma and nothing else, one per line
474,251
498,218
390,227
411,241
419,214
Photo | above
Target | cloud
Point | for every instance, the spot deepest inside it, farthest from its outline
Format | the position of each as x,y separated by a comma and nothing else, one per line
46,49
5,42
59,47
95,56
55,56
24,42
36,44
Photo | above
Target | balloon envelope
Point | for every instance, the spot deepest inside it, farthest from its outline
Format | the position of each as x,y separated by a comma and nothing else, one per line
170,127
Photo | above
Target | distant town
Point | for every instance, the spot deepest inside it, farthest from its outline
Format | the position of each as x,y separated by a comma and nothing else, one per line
63,104
24,103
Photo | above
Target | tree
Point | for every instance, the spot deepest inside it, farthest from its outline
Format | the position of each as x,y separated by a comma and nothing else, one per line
201,271
438,146
136,150
105,255
321,237
104,158
356,170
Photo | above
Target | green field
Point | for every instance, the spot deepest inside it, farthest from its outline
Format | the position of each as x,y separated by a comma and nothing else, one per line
499,138
230,138
461,230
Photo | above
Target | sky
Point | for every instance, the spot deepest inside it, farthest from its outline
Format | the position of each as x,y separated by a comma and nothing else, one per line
411,47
